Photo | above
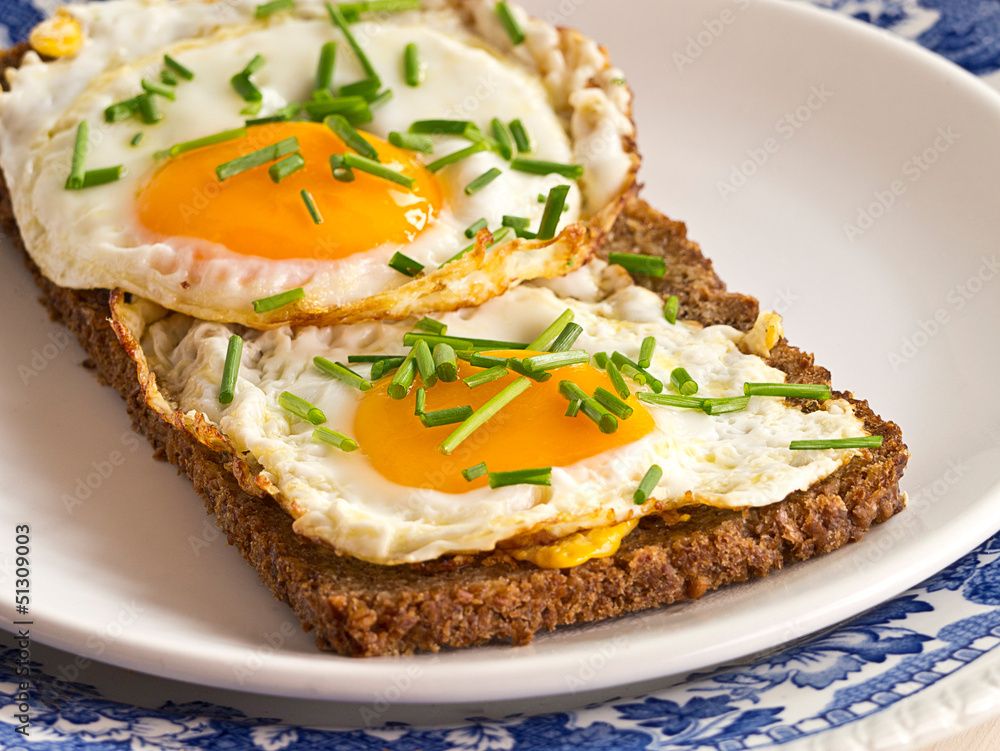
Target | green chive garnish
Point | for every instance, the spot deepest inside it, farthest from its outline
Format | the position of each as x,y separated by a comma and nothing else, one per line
385,366
498,236
463,128
227,389
366,88
168,77
374,358
456,156
521,137
482,181
543,341
351,138
177,68
420,403
431,326
485,376
567,337
278,116
553,360
301,408
149,111
670,308
278,301
510,24
252,109
473,228
574,408
637,373
553,212
425,363
541,167
94,177
483,414
380,99
646,486
728,404
136,139
480,360
412,67
354,108
460,343
471,473
540,476
790,390
445,363
121,110
412,141
646,351
363,164
401,382
154,87
307,199
341,172
517,366
617,381
599,415
376,6
601,359
266,9
505,145
516,223
637,263
243,85
681,380
870,441
612,403
257,158
446,416
342,373
325,66
339,440
180,148
338,19
670,400
287,166
76,171
405,265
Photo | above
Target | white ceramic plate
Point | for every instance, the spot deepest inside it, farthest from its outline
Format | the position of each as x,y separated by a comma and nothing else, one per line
834,113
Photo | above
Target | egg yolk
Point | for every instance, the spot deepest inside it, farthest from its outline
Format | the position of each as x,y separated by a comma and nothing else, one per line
250,214
531,431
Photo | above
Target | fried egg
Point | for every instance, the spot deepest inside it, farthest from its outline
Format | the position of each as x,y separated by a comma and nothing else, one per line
400,498
174,231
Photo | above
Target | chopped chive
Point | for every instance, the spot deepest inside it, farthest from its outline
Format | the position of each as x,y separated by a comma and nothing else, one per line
307,199
385,366
341,172
180,148
646,486
728,404
599,415
338,19
149,111
380,99
278,116
671,400
553,212
485,376
136,139
473,228
517,366
246,88
670,308
374,358
76,170
471,473
363,164
646,351
542,342
278,301
790,390
252,109
821,444
445,362
257,158
425,363
463,128
521,137
168,77
351,138
498,236
567,338
342,373
574,408
637,373
431,326
540,476
480,360
601,359
401,382
612,403
339,440
121,110
186,73
94,177
266,9
483,414
617,381
637,263
456,156
557,359
413,68
510,24
515,222
541,167
420,403
301,408
154,87
384,6
366,88
405,265
482,181
464,343
287,166
325,66
354,108
505,145
412,141
681,380
446,416
227,389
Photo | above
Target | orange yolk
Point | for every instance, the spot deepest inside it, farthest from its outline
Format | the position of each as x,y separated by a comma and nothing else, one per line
250,214
531,431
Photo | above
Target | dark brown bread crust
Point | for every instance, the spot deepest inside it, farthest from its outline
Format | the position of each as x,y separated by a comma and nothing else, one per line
362,609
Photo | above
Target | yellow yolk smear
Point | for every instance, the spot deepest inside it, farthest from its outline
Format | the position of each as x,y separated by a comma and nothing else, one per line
531,431
249,214
576,549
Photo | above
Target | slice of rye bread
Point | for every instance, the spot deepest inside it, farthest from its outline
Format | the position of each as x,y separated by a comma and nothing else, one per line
363,609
